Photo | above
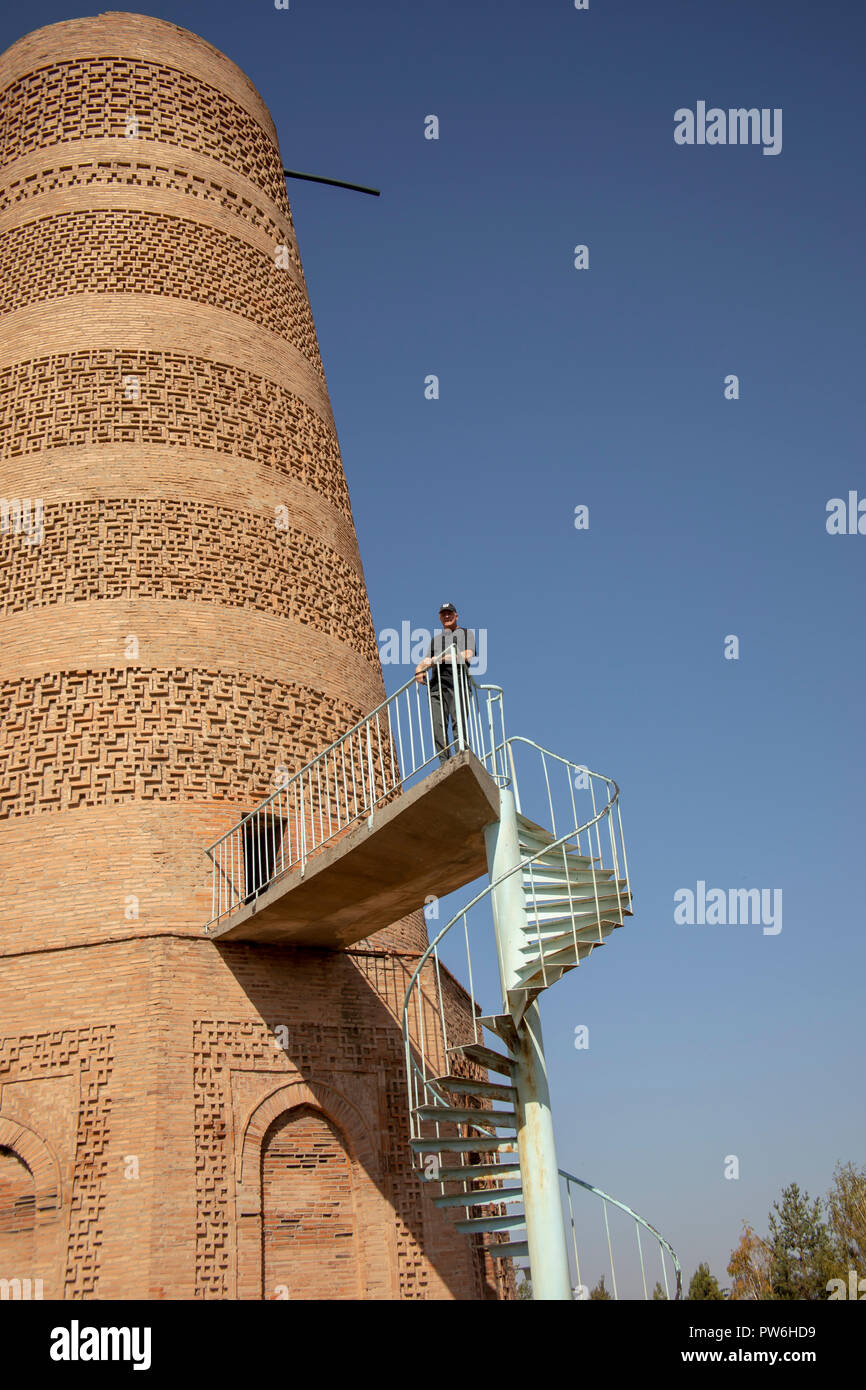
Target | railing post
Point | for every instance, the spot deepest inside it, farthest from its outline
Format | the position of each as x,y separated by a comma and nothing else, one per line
457,686
370,771
492,767
303,833
545,1231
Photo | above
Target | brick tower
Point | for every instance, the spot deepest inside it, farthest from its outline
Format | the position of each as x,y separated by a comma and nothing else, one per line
183,613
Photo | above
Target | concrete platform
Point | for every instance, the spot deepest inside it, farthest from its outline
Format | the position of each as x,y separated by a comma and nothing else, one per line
429,840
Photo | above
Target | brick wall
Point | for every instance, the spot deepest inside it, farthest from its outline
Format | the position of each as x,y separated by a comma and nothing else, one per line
193,618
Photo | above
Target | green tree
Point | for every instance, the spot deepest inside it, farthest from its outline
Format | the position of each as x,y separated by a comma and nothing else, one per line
524,1288
658,1291
704,1285
801,1250
600,1291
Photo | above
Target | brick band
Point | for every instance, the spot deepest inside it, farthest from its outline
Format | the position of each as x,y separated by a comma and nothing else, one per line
92,738
109,251
91,97
114,548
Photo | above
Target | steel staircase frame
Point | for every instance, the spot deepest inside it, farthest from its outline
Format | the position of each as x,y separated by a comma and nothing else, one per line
592,916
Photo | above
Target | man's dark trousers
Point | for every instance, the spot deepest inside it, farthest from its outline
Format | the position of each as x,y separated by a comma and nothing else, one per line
443,708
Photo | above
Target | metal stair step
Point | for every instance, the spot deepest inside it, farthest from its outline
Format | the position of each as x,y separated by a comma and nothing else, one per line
557,885
485,1057
541,943
494,1090
535,983
583,919
503,1026
531,827
552,859
566,926
534,976
490,1223
508,1249
563,955
538,835
548,884
548,899
480,1199
550,945
580,899
549,877
476,1144
547,974
466,1172
521,996
458,1115
544,966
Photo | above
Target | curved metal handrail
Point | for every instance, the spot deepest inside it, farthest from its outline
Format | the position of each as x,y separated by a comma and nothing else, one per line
423,1089
606,1197
432,947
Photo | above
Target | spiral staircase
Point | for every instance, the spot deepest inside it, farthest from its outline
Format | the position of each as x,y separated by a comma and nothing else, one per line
556,895
340,847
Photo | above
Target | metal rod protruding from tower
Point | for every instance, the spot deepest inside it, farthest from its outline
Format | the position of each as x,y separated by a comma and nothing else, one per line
335,183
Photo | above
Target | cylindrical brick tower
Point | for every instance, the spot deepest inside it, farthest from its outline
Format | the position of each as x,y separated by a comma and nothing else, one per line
183,613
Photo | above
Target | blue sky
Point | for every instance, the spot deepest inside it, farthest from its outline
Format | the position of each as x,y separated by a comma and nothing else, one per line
604,387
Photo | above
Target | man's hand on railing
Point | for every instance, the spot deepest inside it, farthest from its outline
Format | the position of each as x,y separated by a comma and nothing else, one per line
463,659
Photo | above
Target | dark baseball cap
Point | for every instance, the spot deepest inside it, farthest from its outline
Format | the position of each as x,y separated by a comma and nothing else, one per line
447,608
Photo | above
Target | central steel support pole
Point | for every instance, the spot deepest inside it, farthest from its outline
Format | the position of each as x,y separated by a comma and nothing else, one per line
545,1230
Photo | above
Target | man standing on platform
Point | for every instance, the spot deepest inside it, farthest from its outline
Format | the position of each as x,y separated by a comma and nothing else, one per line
444,695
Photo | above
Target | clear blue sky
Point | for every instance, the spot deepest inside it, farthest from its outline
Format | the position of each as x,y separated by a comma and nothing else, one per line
707,517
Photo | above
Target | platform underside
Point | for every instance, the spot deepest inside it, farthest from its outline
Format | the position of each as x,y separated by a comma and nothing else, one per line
428,842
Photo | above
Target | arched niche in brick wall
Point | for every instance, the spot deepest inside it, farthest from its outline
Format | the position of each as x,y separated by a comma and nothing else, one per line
33,1151
329,1123
29,1195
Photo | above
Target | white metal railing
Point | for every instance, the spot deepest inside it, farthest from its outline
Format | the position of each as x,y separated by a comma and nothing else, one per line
583,812
663,1246
396,744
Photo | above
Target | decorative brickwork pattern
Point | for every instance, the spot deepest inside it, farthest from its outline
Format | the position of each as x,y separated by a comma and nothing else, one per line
90,1052
140,173
161,391
116,252
80,738
308,1221
79,400
94,98
158,548
220,1046
412,1264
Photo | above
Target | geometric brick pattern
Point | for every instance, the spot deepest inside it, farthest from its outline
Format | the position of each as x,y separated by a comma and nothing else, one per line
221,1046
53,182
97,738
146,250
137,548
79,400
89,1052
107,251
93,98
